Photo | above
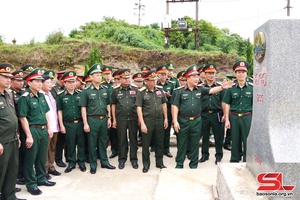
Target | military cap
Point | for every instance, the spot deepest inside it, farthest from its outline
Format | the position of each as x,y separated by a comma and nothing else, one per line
116,74
230,77
106,69
125,73
162,69
151,75
138,76
45,77
59,74
95,68
80,78
5,69
86,78
180,75
50,73
170,65
241,65
28,68
18,75
200,69
145,69
35,74
209,68
192,70
69,76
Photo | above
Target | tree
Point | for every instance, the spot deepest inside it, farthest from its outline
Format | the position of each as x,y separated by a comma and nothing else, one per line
95,57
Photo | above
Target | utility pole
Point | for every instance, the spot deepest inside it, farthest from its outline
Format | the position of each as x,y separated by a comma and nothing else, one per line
196,30
288,7
139,7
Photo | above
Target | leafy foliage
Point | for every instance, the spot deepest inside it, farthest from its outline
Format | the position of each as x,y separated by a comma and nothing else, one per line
95,57
56,37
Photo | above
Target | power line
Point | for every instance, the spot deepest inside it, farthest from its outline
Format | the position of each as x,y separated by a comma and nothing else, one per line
140,7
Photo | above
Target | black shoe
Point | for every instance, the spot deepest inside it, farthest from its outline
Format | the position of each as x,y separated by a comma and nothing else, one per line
18,189
152,149
69,169
48,177
108,166
47,183
121,165
21,181
145,169
135,165
82,168
20,199
60,163
203,159
168,155
54,173
113,155
217,160
93,170
161,166
227,147
34,191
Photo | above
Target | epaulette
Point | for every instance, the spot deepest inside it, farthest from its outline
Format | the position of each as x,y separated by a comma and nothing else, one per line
117,86
132,85
25,94
23,89
9,89
60,92
87,87
172,82
159,87
142,89
218,83
78,90
179,87
233,84
250,83
199,85
104,86
102,82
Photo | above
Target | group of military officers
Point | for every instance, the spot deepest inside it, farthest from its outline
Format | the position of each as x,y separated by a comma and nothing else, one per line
85,111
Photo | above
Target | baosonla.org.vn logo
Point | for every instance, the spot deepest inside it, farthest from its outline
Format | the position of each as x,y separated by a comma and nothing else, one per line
271,185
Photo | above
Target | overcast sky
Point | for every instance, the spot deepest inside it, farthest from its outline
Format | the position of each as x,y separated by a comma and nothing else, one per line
25,20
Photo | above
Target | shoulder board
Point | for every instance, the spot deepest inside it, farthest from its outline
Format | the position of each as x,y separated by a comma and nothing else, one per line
234,84
78,90
199,85
102,82
142,89
9,89
250,83
60,92
117,86
159,87
172,81
218,83
25,94
179,87
132,85
104,86
87,87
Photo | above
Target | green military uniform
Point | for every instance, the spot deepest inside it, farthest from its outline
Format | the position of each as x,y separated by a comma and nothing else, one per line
151,104
211,119
72,120
34,108
9,141
124,98
240,100
174,81
189,103
167,87
95,100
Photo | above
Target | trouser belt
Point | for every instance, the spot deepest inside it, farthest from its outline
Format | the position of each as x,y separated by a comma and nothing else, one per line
98,116
241,114
190,118
38,126
75,121
211,111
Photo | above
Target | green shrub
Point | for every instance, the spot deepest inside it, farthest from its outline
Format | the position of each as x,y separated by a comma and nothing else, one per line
56,37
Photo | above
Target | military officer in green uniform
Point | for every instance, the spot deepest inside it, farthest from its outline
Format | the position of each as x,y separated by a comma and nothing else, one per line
167,86
152,114
32,112
125,118
112,132
170,77
187,121
8,136
201,74
238,111
95,110
70,121
212,115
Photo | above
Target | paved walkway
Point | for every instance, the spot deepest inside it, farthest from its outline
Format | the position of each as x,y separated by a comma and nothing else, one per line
131,184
